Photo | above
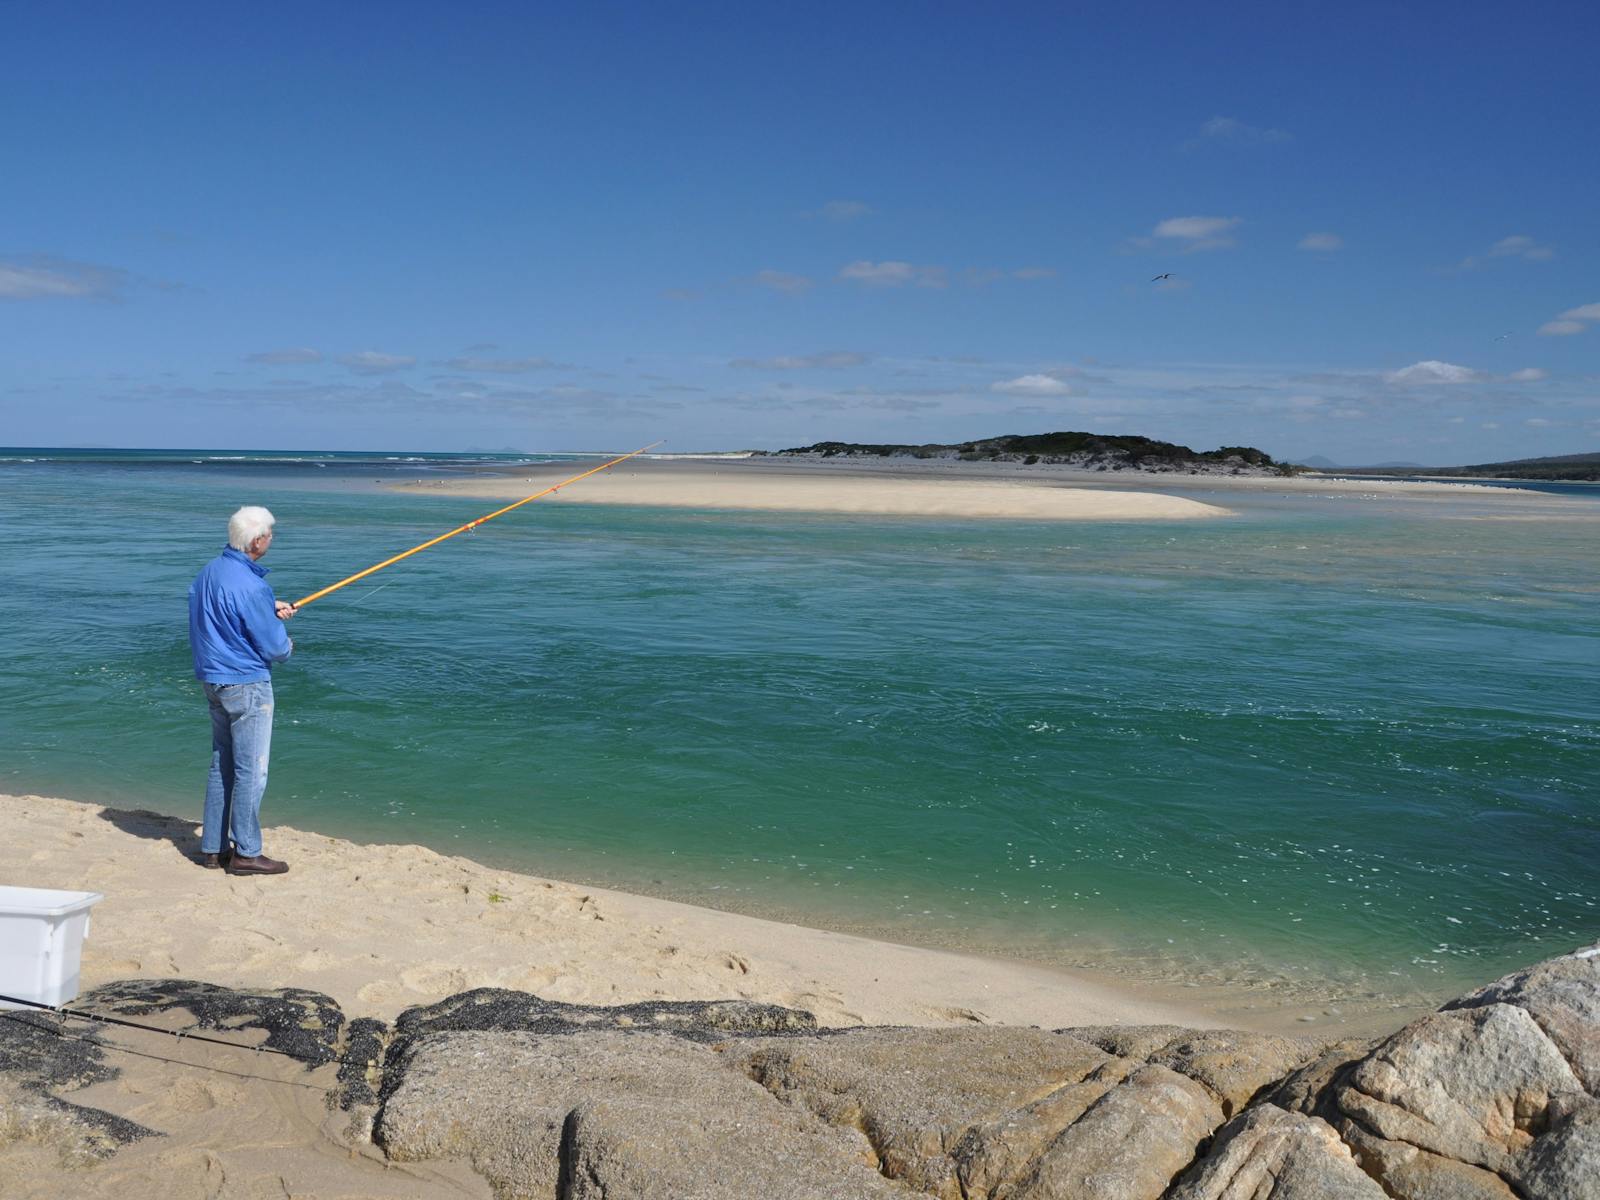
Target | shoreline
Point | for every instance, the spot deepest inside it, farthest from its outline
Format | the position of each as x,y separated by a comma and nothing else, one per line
385,927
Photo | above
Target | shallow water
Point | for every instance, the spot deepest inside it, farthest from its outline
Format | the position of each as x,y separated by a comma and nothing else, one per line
1341,743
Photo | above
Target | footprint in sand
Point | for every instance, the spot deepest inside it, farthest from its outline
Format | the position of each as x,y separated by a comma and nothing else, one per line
970,1015
827,1007
316,960
193,1095
379,992
434,977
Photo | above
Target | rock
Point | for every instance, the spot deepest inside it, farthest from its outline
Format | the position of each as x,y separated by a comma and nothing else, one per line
1300,1090
607,1112
1472,1085
922,1095
360,1071
1565,1160
485,1009
1563,996
1233,1064
640,1149
1270,1154
1421,1175
1129,1145
302,1024
1491,1098
991,1155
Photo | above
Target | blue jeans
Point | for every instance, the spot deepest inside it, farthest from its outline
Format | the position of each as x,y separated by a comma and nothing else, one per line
241,741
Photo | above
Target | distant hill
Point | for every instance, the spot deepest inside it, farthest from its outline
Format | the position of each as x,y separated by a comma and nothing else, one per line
1089,451
1561,466
1579,467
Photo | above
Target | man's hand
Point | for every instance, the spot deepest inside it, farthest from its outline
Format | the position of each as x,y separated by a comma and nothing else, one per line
284,609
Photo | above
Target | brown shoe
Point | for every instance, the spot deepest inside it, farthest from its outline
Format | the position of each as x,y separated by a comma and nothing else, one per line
259,865
212,862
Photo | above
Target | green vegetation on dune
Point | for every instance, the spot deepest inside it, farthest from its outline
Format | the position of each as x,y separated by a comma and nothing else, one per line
1094,451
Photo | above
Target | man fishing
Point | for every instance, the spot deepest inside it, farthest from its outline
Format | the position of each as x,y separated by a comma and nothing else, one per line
236,633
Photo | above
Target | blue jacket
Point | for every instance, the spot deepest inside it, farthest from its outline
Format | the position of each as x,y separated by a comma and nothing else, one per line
233,629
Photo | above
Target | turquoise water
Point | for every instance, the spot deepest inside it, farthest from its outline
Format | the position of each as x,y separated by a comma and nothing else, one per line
1333,742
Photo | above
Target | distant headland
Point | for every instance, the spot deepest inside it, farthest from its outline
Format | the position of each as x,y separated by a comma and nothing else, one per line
1088,451
1561,467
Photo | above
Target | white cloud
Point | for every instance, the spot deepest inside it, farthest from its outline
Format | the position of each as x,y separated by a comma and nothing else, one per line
803,362
1538,422
893,274
372,362
1032,385
842,210
1517,246
1321,241
1228,131
1199,233
1431,371
1034,273
41,277
1574,320
290,357
493,366
1528,375
782,281
1521,246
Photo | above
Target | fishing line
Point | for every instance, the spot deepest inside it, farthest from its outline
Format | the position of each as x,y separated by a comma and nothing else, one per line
373,592
181,1034
176,1062
471,525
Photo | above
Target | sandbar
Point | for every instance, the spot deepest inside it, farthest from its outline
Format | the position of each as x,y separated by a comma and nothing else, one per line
755,484
955,490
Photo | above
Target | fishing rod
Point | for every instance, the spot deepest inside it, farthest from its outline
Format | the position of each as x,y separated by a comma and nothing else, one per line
469,526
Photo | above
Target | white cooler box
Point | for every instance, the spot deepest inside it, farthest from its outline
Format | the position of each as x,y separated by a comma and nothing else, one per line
41,941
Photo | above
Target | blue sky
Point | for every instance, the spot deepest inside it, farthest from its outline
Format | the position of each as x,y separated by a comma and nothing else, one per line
751,225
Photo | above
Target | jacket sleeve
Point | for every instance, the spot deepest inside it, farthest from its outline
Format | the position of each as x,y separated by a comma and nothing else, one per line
262,627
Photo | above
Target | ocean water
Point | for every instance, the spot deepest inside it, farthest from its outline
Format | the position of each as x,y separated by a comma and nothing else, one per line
1335,744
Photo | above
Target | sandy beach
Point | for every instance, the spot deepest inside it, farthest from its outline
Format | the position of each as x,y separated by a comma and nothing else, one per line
951,488
382,927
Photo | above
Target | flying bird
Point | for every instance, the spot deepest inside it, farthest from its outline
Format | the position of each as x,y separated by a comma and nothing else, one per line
1159,278
1502,337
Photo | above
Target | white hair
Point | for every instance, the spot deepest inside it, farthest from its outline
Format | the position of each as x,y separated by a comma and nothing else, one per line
246,525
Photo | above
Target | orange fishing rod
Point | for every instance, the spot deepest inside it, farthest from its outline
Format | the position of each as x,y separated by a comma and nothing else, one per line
470,525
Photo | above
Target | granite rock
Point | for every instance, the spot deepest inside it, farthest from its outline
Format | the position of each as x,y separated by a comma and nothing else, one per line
1563,996
1270,1154
607,1112
934,1103
1232,1064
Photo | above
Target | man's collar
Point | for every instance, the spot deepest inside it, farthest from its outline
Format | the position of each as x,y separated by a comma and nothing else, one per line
246,560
